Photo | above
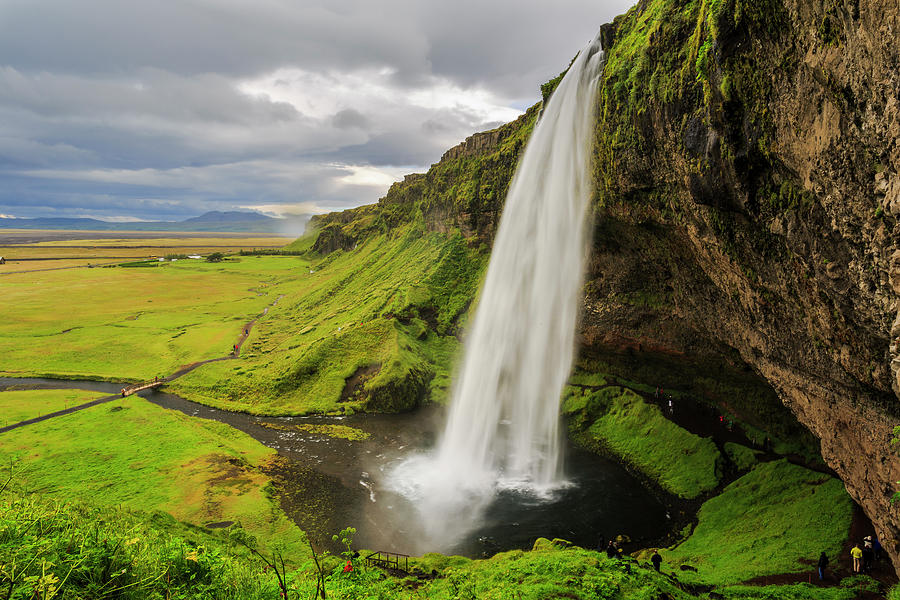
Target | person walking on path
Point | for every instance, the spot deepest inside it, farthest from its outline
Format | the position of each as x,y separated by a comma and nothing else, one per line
876,546
656,559
856,554
823,564
868,557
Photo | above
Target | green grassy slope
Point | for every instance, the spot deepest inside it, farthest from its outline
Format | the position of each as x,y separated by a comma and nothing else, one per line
776,519
388,311
617,420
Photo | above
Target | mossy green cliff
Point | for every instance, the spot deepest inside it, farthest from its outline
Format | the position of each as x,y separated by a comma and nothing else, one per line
747,157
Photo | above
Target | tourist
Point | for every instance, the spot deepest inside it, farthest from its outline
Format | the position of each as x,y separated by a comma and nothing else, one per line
823,563
656,559
868,556
876,546
856,554
611,551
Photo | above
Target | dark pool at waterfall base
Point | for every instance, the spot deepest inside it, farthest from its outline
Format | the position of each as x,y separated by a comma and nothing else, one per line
602,499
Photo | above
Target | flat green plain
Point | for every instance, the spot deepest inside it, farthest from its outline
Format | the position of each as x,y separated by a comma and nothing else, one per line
135,453
21,405
133,323
393,305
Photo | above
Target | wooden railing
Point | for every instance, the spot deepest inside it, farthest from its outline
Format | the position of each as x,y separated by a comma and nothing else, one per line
388,560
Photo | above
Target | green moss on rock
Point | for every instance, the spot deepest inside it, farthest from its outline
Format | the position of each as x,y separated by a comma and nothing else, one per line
619,421
775,519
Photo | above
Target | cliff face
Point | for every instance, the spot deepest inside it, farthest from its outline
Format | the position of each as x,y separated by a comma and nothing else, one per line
747,177
747,159
463,191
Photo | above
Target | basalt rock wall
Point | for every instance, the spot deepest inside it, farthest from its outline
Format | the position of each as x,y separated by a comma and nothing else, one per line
747,182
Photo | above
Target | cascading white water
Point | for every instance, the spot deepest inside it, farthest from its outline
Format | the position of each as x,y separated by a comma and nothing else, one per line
503,425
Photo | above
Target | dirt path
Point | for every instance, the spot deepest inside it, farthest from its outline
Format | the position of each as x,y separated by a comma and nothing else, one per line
59,413
840,567
183,370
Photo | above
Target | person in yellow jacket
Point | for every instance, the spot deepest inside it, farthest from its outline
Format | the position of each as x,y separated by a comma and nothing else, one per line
856,553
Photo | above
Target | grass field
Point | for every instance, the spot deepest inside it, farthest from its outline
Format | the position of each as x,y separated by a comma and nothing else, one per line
766,523
619,421
149,458
392,306
21,405
131,324
66,253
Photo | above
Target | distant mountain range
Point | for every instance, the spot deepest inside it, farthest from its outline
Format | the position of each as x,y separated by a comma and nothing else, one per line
231,221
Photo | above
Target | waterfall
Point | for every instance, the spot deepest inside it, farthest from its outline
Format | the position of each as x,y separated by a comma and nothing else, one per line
502,429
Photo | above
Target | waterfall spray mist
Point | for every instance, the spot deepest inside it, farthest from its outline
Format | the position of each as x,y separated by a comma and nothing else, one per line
503,424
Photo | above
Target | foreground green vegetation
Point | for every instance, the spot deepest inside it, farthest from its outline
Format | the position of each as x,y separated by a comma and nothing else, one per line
81,551
135,453
618,421
767,522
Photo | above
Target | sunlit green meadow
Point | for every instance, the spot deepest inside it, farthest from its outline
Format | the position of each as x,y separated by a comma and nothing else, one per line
134,453
21,405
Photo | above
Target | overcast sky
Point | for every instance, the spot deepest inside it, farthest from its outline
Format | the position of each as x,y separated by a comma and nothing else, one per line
123,110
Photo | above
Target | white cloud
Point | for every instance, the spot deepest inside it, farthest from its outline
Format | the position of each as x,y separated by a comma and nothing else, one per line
371,176
167,110
323,94
296,209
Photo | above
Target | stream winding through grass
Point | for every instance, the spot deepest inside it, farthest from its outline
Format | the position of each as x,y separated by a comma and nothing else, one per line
603,499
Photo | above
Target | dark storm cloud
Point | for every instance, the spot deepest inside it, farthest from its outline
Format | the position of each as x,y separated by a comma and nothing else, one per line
168,109
349,118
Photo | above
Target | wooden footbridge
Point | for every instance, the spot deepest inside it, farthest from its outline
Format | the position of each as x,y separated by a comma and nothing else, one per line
140,387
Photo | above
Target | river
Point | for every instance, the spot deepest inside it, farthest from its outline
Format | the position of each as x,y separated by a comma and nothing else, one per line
601,500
